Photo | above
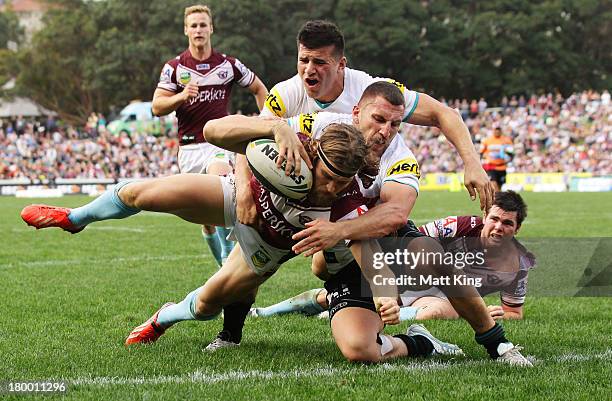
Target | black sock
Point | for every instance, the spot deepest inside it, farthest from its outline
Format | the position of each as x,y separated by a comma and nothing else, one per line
417,345
491,339
234,316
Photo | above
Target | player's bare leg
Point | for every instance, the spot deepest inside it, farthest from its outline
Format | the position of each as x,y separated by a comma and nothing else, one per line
194,197
232,283
197,198
434,308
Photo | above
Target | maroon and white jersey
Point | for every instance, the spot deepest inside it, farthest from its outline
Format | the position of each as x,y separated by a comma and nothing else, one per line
281,217
214,77
512,285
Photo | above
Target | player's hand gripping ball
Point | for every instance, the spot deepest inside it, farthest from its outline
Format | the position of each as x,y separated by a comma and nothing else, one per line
262,155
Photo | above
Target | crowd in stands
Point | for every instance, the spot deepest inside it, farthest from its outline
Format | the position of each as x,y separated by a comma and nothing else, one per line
550,134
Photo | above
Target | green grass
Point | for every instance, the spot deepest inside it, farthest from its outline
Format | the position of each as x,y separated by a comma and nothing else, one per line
69,301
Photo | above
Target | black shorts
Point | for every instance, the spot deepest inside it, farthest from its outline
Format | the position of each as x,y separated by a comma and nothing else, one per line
348,287
345,289
498,176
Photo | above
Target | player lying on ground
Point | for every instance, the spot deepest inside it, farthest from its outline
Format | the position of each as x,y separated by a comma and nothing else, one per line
505,271
378,115
205,199
324,82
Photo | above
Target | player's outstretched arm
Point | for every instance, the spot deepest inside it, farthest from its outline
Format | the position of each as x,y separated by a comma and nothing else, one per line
236,131
430,112
397,203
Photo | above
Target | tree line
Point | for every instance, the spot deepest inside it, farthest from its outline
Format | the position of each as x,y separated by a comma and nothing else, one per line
94,55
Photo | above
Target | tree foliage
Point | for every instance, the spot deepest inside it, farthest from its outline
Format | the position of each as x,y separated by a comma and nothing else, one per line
94,55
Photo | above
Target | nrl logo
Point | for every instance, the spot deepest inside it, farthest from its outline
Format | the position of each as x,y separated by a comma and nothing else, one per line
304,219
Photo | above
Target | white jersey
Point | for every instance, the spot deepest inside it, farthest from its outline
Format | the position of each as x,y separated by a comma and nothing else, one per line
397,164
289,98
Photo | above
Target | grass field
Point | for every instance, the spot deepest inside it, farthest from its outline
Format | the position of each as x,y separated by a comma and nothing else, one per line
69,301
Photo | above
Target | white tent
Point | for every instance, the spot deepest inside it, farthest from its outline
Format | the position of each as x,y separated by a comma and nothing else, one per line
21,106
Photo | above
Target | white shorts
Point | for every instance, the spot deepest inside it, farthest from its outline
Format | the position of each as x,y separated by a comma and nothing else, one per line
197,157
262,258
408,297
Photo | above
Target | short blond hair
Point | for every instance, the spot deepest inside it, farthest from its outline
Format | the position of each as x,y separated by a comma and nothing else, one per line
198,8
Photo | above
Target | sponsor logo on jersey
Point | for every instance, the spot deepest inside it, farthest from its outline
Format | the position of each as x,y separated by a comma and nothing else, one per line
185,77
304,219
260,258
405,166
241,67
222,74
400,85
306,123
202,67
361,210
275,104
449,226
208,95
493,279
166,74
220,155
472,221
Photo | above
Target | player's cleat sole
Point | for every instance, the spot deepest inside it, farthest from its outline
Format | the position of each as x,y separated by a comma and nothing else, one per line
511,354
149,331
439,347
43,216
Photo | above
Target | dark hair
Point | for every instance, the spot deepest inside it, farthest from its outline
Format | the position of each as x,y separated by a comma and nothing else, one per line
318,33
510,201
387,90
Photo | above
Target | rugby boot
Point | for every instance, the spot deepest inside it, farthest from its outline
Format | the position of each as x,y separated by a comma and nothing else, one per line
511,354
223,340
149,331
439,347
43,216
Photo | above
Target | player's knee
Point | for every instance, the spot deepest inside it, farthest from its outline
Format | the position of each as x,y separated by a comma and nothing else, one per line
359,350
129,194
322,299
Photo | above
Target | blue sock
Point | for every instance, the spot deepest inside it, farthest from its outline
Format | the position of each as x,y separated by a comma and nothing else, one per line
106,206
226,245
184,310
305,303
408,313
213,243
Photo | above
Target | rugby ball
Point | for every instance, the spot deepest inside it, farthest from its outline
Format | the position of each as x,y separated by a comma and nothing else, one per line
262,155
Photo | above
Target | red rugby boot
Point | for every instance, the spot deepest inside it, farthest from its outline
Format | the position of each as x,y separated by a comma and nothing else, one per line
43,216
149,331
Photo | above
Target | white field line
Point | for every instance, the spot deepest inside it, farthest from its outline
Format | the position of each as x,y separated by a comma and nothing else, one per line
70,262
209,377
